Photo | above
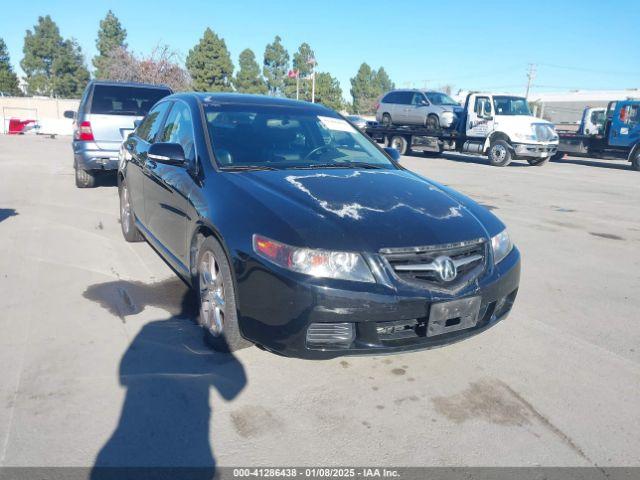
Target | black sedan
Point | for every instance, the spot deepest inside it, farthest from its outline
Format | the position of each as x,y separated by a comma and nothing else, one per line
302,236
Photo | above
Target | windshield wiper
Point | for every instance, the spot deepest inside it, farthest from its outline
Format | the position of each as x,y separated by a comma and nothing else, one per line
242,168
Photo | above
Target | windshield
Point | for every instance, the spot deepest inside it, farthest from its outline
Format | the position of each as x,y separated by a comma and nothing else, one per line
125,100
440,98
511,106
276,137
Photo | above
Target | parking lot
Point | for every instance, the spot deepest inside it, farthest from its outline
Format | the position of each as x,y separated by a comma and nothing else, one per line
101,361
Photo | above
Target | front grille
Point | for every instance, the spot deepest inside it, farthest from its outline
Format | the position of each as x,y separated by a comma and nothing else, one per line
545,133
418,265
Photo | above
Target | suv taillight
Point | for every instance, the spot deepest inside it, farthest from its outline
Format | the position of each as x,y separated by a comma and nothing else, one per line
84,132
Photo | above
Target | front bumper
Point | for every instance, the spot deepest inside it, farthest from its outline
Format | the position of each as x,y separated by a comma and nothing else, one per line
87,156
276,309
529,150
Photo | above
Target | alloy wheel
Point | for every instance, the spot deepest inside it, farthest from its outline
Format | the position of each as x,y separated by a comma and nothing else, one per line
212,300
499,152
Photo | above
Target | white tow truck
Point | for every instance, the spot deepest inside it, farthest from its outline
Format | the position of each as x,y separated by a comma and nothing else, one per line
499,126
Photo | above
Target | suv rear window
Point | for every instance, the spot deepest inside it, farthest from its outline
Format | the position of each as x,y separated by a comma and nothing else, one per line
116,100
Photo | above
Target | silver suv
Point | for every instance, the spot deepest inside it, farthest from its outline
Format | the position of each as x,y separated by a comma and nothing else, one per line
418,107
105,118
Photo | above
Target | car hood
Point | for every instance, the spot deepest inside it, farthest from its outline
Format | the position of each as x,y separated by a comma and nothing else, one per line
362,210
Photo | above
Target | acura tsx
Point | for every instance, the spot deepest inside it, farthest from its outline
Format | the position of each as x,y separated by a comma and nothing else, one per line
301,235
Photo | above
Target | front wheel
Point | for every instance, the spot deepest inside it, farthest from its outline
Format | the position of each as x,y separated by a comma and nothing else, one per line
218,313
500,154
386,120
432,122
538,162
635,160
556,157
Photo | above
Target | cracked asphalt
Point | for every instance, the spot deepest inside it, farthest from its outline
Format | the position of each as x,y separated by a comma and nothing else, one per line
101,362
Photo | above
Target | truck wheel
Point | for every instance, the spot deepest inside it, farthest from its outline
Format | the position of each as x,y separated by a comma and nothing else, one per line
635,160
500,154
557,156
399,143
432,122
85,179
216,293
386,120
538,162
127,218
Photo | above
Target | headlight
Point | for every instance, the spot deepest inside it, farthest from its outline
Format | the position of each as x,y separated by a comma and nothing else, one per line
317,263
501,246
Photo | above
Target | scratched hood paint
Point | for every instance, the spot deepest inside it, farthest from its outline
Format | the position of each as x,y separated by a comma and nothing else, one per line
361,210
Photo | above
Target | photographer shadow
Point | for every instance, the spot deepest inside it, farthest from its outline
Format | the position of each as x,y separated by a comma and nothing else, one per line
168,372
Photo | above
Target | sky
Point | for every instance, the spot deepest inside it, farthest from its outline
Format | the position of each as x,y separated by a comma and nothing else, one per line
482,45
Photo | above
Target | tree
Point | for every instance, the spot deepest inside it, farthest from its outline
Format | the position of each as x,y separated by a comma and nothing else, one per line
69,74
8,78
364,89
248,78
384,82
303,63
40,49
111,35
209,64
328,91
276,66
367,86
161,66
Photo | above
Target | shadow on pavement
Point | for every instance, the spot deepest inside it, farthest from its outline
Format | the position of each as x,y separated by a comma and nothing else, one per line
168,372
107,179
6,213
480,160
612,164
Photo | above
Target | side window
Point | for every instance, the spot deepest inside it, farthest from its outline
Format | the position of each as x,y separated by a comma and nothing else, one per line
178,128
418,99
482,106
152,122
629,115
405,98
390,98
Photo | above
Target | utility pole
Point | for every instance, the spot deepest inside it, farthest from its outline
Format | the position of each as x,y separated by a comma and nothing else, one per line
531,75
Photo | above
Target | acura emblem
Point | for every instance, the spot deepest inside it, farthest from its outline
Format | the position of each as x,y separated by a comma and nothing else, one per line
445,268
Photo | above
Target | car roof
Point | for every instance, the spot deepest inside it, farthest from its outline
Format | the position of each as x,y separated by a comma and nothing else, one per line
250,99
118,83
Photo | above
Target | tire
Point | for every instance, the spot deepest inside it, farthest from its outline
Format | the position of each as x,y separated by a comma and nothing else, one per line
386,120
127,216
500,154
556,157
538,162
399,143
218,314
85,179
635,159
433,122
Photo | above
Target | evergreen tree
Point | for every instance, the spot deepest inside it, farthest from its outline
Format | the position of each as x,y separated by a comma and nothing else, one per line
364,89
69,74
248,78
110,37
209,64
8,78
384,82
40,49
276,66
328,91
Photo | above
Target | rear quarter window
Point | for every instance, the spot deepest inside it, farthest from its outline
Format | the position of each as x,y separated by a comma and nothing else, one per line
124,100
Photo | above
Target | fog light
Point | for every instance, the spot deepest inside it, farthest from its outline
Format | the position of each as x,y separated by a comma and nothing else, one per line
330,334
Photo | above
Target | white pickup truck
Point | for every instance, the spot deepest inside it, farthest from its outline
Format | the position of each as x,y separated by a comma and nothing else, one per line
499,126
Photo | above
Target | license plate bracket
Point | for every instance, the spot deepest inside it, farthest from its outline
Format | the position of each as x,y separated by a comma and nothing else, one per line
453,315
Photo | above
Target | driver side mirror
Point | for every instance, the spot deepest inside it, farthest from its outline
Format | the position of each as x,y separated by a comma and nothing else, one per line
167,153
423,103
393,153
136,123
